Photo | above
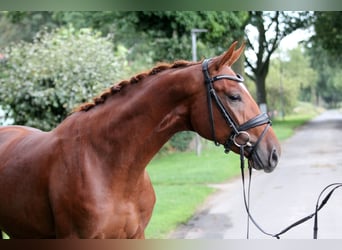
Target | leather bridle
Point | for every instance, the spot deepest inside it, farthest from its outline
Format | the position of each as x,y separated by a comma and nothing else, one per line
239,135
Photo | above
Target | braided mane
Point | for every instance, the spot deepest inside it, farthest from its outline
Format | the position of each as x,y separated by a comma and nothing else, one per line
135,79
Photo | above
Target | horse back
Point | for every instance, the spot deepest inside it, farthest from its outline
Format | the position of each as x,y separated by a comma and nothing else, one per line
15,141
24,178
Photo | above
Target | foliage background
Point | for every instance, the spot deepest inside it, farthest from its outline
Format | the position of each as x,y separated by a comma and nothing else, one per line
291,79
44,80
56,60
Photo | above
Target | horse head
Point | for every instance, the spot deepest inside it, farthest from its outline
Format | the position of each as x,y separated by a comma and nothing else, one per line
226,113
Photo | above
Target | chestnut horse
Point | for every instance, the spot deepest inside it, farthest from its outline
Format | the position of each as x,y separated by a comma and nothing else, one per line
87,177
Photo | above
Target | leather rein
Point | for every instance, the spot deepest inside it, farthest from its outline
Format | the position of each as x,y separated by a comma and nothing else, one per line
241,138
320,203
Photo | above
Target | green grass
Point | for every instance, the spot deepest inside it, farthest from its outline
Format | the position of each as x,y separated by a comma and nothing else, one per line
181,179
181,183
285,128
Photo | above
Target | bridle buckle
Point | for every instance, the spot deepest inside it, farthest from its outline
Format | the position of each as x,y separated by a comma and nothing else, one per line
242,139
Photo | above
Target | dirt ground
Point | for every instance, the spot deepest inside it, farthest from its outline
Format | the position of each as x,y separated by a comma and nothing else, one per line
311,160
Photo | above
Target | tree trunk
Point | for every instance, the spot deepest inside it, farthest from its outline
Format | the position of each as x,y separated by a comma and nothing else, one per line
271,28
260,81
261,89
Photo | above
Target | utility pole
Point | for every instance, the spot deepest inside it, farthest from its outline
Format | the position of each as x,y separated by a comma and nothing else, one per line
194,58
194,42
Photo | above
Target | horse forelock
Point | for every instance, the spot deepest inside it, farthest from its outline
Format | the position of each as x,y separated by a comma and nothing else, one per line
133,80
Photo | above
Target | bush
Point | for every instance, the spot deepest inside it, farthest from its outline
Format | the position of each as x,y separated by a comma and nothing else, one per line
44,80
181,140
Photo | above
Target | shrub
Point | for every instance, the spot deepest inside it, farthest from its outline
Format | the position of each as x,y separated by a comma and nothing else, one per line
181,141
44,80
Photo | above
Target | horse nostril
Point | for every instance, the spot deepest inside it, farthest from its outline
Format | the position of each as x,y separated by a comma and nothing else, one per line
274,158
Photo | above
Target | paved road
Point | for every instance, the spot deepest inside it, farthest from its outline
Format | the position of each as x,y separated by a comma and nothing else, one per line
311,159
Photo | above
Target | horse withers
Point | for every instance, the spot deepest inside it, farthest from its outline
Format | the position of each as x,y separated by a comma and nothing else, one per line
86,178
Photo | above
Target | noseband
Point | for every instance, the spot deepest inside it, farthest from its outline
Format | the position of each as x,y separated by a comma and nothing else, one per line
239,135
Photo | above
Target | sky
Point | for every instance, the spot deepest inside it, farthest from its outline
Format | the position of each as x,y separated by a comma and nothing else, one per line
291,41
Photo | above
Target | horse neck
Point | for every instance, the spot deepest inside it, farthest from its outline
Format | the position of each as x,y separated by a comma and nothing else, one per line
131,126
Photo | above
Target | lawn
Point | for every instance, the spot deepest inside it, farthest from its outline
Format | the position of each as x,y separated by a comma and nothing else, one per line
181,180
181,183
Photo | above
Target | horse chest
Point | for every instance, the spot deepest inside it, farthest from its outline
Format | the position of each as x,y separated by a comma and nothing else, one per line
98,211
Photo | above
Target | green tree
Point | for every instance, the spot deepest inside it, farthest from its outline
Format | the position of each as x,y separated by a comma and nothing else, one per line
291,79
328,66
328,32
26,24
168,33
265,30
326,55
8,32
332,93
328,86
42,81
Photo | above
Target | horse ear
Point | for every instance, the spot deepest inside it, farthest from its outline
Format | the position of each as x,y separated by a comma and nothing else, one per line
236,55
231,56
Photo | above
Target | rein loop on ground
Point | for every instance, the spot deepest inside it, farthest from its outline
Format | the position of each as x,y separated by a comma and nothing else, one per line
246,198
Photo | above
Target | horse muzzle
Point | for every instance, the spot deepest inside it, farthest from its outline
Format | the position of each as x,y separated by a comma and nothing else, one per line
263,161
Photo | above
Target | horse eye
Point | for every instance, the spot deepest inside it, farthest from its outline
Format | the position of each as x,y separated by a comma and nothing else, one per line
236,97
